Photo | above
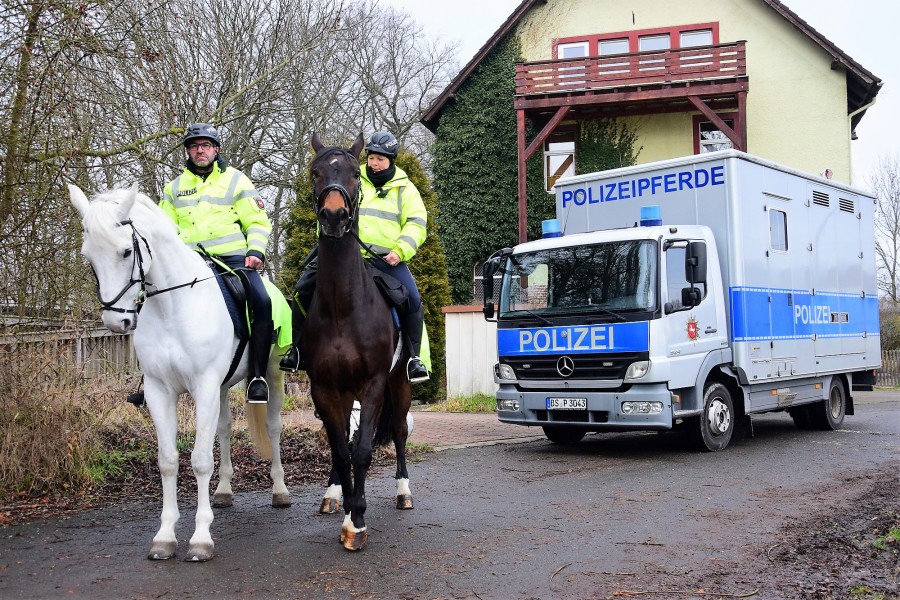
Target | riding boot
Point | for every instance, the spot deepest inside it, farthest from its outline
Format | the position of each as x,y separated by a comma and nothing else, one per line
413,323
292,361
258,362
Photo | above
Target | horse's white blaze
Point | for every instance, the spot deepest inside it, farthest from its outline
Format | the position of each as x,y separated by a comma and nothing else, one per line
403,487
184,341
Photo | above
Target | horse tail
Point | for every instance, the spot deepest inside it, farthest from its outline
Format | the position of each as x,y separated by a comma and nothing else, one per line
259,435
384,433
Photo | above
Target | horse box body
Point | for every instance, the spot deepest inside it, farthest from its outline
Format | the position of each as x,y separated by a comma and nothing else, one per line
610,323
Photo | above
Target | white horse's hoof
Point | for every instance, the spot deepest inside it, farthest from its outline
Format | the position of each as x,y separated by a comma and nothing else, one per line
162,550
281,500
404,501
199,553
222,500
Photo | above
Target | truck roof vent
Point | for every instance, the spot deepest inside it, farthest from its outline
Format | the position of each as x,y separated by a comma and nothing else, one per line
846,205
820,198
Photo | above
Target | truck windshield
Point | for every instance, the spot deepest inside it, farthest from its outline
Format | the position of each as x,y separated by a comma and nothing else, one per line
596,279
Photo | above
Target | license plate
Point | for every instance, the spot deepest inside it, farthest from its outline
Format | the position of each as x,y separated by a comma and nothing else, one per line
566,403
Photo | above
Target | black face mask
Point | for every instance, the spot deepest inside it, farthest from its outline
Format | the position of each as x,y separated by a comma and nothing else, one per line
381,177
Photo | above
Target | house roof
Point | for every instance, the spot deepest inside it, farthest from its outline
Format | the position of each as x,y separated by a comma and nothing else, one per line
862,85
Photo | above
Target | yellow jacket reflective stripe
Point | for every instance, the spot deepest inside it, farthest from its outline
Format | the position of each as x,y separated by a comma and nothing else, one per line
395,222
222,213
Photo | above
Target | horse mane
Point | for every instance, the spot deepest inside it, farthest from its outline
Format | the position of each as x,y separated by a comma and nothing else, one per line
103,218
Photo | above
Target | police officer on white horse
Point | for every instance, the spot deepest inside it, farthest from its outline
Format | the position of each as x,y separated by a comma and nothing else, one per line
217,207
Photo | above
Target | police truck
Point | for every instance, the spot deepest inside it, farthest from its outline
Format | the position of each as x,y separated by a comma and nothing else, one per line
688,294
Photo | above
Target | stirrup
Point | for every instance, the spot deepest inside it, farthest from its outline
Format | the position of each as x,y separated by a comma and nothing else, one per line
416,371
258,396
290,362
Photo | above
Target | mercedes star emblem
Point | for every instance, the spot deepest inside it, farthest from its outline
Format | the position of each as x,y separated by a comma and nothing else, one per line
565,366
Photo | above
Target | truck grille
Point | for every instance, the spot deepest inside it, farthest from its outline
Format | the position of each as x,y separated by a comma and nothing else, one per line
590,366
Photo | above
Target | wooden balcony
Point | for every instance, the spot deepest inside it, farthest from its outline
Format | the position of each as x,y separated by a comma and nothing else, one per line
640,76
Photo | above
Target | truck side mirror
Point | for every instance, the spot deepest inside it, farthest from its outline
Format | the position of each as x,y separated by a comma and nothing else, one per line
690,297
488,270
695,263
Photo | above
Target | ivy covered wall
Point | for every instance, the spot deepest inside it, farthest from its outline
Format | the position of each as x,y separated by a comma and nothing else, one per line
475,172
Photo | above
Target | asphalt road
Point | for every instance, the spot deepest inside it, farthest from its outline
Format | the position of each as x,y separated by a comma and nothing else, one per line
528,520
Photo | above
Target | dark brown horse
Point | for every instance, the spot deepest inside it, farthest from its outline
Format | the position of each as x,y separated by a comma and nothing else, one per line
350,344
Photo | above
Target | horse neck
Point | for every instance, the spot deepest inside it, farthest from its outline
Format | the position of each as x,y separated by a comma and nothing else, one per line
174,262
341,266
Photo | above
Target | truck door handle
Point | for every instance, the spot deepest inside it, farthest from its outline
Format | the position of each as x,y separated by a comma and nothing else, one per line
711,330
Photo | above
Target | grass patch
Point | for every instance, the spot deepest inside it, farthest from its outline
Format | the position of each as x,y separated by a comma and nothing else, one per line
891,537
478,403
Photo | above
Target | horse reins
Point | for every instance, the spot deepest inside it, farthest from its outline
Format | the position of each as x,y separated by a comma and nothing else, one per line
138,261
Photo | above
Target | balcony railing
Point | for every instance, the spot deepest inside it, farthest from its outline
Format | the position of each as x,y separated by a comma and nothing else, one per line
667,67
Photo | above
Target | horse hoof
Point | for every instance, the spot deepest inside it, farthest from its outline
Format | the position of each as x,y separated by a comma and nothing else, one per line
329,506
354,540
281,500
404,502
222,500
199,553
162,550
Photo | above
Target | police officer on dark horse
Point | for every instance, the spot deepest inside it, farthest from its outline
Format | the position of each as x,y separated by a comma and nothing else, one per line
392,227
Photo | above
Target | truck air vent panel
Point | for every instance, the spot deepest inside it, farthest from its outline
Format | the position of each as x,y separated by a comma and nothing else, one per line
846,205
820,199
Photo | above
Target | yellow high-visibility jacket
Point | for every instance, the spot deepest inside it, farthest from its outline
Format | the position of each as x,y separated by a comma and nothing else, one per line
395,221
224,213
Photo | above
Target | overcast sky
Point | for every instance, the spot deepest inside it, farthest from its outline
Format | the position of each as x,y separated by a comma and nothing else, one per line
861,28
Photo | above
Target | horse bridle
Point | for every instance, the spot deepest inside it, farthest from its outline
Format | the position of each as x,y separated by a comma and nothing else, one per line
138,261
351,203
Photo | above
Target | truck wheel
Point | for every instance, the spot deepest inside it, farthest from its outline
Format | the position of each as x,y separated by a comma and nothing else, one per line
564,435
713,429
828,414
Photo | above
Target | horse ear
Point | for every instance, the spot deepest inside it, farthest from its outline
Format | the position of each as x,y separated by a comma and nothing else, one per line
78,199
316,143
127,202
357,146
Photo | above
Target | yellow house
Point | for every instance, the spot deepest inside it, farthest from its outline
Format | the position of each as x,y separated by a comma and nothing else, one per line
687,77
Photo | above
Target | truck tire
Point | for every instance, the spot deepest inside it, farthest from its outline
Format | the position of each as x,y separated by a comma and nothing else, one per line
712,430
828,414
564,435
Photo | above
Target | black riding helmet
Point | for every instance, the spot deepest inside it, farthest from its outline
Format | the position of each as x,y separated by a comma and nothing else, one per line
383,142
201,130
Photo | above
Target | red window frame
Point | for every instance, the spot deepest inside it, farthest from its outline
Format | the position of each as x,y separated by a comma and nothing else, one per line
674,37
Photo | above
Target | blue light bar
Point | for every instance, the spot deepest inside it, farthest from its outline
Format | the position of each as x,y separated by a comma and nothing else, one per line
550,228
651,215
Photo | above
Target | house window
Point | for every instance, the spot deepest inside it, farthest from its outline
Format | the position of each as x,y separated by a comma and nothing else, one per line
607,47
572,75
559,161
692,39
708,137
778,230
647,43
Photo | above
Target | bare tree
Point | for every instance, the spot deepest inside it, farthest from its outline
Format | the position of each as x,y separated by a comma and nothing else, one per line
885,183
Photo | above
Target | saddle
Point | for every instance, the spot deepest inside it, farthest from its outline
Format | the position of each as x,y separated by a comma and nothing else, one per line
235,292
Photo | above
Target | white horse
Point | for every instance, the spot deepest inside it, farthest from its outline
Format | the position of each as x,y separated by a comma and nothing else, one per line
185,341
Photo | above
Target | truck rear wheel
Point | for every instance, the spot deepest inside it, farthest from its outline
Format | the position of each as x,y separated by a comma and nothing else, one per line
564,435
828,414
713,429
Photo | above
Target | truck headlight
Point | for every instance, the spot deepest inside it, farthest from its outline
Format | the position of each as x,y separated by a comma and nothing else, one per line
509,405
642,408
638,369
503,371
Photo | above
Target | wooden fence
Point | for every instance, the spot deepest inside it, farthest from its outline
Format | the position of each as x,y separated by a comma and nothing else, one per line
889,374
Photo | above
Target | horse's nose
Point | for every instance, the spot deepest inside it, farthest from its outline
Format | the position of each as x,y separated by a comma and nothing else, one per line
126,324
333,222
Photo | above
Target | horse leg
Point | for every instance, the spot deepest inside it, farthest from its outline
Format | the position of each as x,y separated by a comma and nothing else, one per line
354,532
161,403
280,496
400,396
331,503
223,496
207,415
